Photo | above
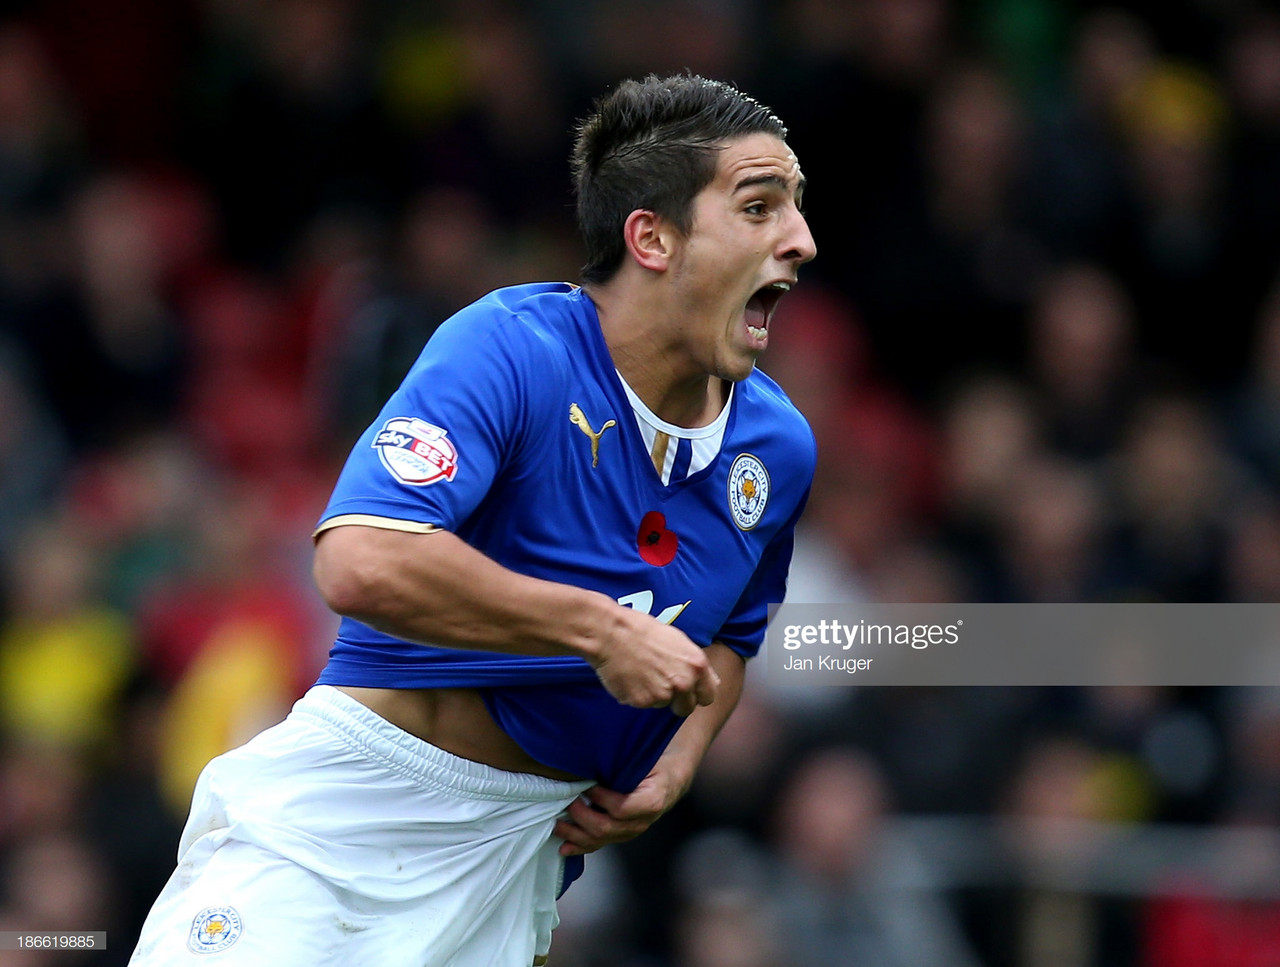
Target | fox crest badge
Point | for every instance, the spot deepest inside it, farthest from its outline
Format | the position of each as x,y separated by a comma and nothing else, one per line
748,490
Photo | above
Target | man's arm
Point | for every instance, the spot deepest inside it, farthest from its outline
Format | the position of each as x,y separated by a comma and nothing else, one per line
436,589
607,816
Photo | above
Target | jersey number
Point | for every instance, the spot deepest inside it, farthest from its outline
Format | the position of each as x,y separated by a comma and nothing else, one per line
643,601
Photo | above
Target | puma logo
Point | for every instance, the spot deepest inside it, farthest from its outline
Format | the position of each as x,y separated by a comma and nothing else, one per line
579,419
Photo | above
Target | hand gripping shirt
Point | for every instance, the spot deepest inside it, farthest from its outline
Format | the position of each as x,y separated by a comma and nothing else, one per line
514,431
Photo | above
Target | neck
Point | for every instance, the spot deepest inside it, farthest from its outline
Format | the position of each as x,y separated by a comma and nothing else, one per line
645,339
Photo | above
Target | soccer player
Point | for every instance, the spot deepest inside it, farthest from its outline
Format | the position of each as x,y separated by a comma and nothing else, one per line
553,551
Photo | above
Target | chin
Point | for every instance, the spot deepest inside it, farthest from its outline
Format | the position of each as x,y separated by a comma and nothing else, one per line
738,370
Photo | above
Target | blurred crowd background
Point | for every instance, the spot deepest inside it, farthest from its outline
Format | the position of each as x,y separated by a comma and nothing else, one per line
1040,348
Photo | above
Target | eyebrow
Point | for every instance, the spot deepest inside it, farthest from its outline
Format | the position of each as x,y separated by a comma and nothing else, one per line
774,180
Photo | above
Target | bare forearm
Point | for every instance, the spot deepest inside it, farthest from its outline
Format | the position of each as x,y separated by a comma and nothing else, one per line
608,816
436,589
690,744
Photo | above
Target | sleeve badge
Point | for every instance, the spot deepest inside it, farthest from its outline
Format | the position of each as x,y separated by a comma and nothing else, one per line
416,452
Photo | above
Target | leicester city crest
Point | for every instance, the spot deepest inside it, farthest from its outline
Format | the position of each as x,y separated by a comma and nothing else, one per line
748,490
214,929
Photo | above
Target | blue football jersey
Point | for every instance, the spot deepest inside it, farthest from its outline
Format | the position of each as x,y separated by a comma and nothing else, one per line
514,431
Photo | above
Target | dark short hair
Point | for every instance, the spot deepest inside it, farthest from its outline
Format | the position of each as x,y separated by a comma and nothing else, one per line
652,145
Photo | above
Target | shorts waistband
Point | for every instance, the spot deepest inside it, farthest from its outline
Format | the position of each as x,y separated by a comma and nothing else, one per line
342,716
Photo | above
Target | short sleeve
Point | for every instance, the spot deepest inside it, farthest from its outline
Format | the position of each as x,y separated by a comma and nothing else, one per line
466,408
744,630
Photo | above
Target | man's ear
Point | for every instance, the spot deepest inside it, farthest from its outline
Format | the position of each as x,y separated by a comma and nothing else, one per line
650,239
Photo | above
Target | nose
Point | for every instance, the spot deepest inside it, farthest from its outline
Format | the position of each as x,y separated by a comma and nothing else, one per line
798,245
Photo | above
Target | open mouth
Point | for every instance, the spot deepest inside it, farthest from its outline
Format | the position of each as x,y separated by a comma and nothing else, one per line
761,306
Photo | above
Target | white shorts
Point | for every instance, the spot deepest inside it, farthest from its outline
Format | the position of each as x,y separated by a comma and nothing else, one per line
337,838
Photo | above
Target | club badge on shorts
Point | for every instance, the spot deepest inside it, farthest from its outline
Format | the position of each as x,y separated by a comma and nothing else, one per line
214,929
748,490
416,452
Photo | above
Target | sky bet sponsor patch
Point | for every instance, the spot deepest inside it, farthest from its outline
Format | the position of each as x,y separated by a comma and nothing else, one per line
416,452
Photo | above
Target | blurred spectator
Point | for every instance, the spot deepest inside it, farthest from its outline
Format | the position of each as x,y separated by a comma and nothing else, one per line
1175,246
1253,407
629,38
1052,535
281,120
38,132
1253,554
598,917
64,655
874,485
1061,789
137,503
58,882
921,572
244,400
949,260
861,424
1081,357
33,454
479,107
132,237
735,787
728,916
134,830
866,67
446,255
846,890
1251,71
1177,486
1080,191
121,61
235,641
727,931
42,789
875,448
990,427
1254,793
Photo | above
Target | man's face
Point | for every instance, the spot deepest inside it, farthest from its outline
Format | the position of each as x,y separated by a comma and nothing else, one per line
747,241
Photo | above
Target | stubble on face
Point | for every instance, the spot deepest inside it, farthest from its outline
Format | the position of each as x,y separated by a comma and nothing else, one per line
739,258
